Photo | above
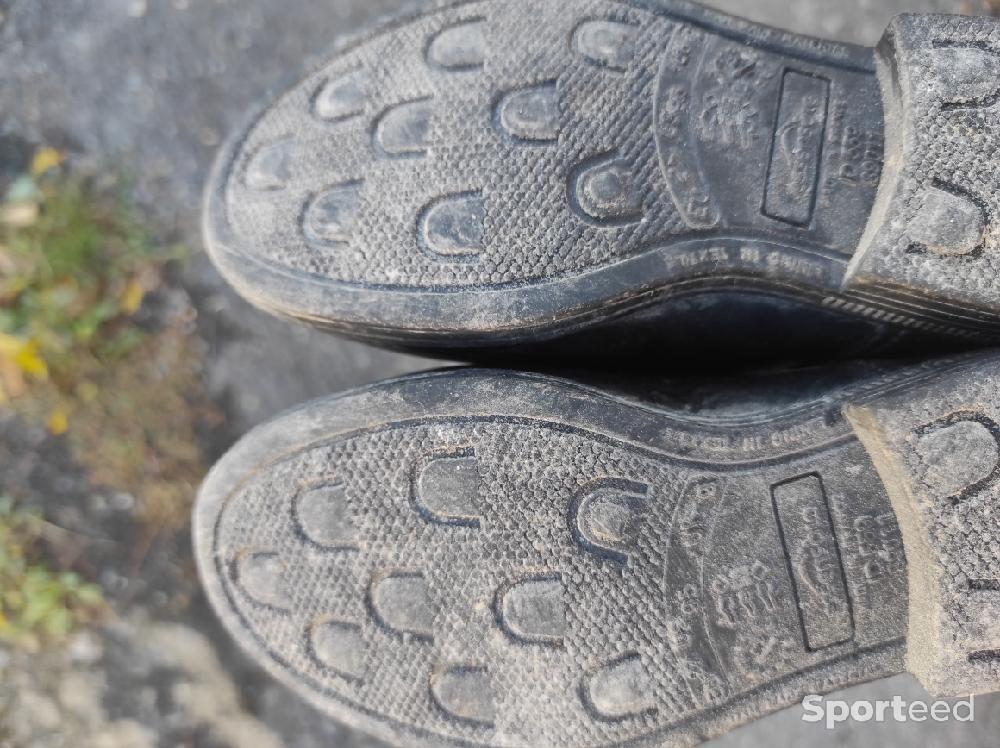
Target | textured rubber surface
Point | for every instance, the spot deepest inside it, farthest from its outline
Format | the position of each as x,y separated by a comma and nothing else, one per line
511,170
933,235
487,559
938,451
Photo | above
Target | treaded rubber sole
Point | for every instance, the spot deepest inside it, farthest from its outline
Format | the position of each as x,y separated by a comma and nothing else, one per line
513,170
480,558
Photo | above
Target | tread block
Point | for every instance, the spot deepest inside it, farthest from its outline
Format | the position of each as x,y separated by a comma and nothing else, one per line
446,489
459,47
451,228
330,216
610,44
401,603
339,646
261,576
323,516
271,167
961,453
619,690
465,693
533,610
606,517
967,71
343,96
950,222
403,129
604,191
530,114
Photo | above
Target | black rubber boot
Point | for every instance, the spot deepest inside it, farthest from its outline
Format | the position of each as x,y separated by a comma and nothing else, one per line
503,173
482,558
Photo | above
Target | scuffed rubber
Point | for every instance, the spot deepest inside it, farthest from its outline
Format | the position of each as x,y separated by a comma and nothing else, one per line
933,237
509,171
937,449
481,558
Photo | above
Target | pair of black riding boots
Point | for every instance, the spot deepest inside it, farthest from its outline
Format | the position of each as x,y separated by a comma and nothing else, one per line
488,557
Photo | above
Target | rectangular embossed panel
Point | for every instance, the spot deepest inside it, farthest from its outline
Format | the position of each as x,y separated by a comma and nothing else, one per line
793,174
814,563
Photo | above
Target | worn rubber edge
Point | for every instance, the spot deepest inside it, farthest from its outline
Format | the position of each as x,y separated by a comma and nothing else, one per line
953,636
921,577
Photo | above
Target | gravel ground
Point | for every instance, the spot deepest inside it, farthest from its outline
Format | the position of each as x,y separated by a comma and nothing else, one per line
153,86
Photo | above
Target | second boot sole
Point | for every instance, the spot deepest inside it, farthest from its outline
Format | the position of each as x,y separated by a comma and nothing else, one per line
485,559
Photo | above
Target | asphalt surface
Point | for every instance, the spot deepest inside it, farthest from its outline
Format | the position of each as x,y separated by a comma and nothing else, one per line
152,86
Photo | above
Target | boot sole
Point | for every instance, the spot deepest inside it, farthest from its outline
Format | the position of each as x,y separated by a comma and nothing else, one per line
504,172
479,558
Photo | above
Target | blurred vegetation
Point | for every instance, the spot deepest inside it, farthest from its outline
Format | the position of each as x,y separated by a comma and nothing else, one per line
96,345
74,266
37,605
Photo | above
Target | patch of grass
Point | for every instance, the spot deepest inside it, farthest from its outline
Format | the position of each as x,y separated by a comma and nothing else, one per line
77,353
38,605
75,265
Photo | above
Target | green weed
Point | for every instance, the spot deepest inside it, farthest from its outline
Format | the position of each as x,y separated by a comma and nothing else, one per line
37,604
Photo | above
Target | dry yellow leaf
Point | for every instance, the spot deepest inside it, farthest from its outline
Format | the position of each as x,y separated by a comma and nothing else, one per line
30,361
58,422
24,355
132,296
45,160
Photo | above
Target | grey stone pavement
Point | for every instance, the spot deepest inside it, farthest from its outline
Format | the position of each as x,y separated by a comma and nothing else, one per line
153,86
